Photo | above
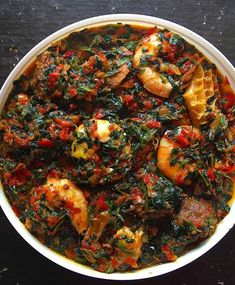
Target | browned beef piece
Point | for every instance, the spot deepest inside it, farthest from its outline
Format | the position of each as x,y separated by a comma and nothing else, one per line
195,211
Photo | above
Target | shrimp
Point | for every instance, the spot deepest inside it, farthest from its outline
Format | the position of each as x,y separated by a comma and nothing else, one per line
177,167
153,81
63,190
128,246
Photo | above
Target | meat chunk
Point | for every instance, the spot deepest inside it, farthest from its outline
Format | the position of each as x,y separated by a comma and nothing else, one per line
194,211
117,78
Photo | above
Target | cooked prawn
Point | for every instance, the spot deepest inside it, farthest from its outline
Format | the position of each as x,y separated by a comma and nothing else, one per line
63,190
153,81
186,136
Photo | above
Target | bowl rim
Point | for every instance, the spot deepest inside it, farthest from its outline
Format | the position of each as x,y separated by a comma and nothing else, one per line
203,45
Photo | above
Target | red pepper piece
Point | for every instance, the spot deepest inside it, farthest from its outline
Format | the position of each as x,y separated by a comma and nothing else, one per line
46,143
65,134
101,204
53,78
68,53
210,174
153,124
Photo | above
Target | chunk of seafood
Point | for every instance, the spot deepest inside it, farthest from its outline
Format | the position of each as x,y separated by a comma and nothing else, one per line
195,97
62,194
177,169
153,81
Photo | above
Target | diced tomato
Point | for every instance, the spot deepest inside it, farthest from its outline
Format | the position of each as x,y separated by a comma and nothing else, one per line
21,142
99,114
153,124
16,210
68,53
86,245
102,267
73,92
63,123
168,35
151,31
18,176
57,94
81,53
210,174
72,107
42,110
101,203
46,143
172,49
114,262
148,178
130,261
112,127
180,179
52,221
70,253
54,173
91,62
168,253
50,192
173,70
229,100
65,134
120,200
136,191
93,129
186,66
72,209
120,31
148,104
128,99
97,159
228,168
182,140
171,57
53,78
20,166
7,176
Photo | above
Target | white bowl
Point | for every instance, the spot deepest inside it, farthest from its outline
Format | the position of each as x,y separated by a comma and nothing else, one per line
211,53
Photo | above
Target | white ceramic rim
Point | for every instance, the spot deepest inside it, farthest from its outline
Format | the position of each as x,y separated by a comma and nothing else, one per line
211,53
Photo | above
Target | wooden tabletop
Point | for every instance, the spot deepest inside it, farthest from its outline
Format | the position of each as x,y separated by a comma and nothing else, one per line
22,25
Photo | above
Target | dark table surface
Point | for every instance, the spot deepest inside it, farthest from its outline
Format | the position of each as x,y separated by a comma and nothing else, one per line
25,23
